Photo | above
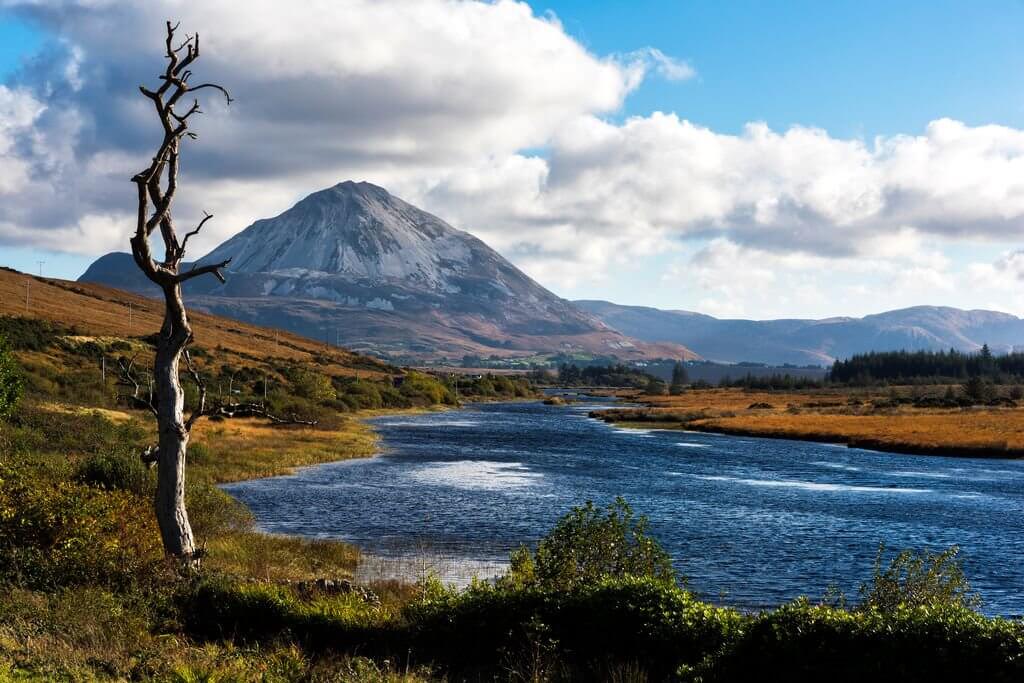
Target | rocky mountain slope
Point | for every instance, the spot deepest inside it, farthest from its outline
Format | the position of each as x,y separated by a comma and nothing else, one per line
358,267
815,341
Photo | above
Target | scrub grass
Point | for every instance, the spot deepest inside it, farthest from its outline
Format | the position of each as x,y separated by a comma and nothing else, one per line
868,418
239,449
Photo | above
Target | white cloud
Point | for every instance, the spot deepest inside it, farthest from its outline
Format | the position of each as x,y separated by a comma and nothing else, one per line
445,102
669,68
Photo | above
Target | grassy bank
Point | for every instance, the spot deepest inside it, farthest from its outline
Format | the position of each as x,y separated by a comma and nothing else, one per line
899,420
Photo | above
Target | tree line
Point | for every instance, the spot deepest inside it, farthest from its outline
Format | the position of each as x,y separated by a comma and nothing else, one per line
928,367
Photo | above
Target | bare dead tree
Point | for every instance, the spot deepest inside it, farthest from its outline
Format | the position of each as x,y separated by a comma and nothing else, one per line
157,186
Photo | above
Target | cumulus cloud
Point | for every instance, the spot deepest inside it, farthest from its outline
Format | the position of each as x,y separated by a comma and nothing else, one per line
398,92
497,120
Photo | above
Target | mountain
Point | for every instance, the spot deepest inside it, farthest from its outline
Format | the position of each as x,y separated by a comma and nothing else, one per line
356,266
815,341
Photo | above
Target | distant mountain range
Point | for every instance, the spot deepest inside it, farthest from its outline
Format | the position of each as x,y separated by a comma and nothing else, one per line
815,342
356,266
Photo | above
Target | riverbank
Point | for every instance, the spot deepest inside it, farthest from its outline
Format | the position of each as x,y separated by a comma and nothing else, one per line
877,420
88,596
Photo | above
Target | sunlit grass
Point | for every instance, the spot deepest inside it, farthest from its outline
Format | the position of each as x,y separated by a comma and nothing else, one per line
235,450
273,557
840,415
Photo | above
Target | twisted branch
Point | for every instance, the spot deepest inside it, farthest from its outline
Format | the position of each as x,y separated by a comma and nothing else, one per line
127,378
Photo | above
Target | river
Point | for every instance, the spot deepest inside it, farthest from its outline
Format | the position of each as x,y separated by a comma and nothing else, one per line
751,522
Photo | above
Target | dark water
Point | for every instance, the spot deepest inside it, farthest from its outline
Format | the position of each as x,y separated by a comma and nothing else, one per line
754,522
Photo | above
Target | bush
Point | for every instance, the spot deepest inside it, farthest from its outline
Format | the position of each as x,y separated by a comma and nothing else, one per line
116,472
588,629
979,390
923,579
12,383
62,533
29,334
804,642
423,390
313,386
588,545
213,512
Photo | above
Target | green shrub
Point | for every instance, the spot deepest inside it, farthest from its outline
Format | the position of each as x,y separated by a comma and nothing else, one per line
41,430
637,619
804,642
588,545
12,382
117,471
213,512
313,386
918,580
29,334
62,533
423,390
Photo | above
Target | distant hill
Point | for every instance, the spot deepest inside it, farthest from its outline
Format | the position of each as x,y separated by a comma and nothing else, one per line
804,342
359,267
98,310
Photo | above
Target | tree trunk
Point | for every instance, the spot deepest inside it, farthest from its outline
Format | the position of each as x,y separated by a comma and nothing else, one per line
175,334
175,529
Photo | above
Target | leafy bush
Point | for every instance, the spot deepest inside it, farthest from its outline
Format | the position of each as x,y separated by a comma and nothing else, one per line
62,533
313,386
213,512
423,390
116,472
636,619
918,580
11,381
29,334
804,642
588,545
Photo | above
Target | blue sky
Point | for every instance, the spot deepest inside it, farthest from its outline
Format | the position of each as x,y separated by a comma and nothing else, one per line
854,68
857,70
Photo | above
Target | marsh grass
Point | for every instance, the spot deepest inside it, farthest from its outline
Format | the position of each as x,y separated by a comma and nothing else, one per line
236,450
280,558
858,417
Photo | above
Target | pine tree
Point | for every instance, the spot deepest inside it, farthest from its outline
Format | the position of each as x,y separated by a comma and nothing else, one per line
679,379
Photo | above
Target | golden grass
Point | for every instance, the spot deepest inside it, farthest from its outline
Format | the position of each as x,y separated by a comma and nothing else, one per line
115,416
840,416
974,431
251,449
98,311
273,557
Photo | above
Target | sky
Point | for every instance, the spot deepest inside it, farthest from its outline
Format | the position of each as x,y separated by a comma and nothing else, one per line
742,159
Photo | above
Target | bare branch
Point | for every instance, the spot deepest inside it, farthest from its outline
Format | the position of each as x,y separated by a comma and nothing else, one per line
213,85
184,242
127,378
214,268
258,410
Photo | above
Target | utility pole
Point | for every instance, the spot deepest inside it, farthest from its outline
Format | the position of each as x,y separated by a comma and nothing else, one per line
40,267
103,370
129,317
27,283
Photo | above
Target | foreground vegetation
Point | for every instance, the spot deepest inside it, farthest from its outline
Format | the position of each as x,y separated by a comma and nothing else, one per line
86,593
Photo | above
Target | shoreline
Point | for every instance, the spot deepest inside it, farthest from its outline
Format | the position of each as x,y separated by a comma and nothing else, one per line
878,445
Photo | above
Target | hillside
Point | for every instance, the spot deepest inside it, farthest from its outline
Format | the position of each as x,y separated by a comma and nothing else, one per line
103,311
358,266
815,341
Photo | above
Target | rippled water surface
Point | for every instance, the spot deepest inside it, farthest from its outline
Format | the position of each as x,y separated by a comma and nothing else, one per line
751,521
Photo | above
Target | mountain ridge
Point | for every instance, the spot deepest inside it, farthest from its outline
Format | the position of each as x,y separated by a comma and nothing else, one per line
359,267
815,341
